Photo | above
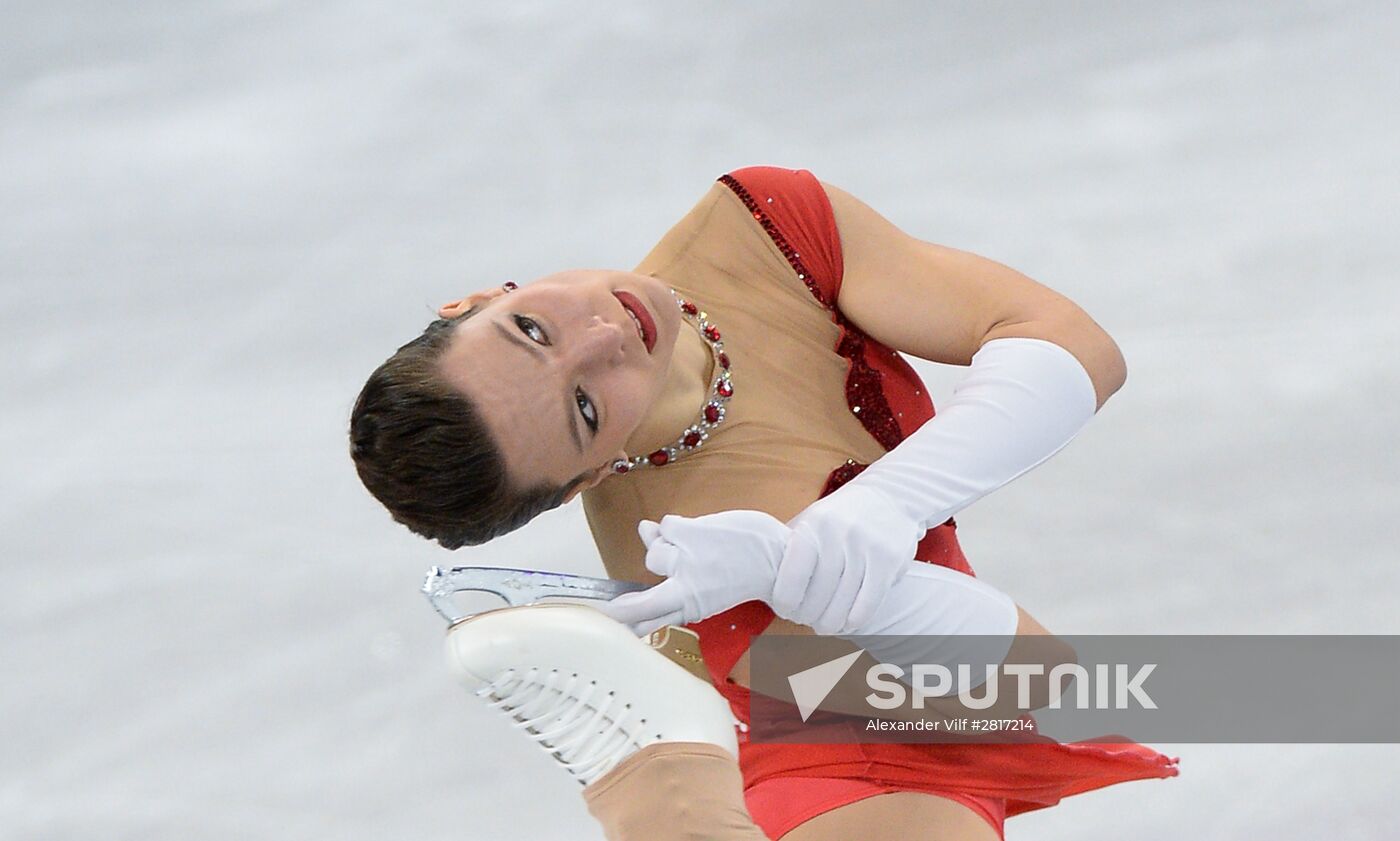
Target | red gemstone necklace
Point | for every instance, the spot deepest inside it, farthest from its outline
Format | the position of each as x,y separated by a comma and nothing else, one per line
711,415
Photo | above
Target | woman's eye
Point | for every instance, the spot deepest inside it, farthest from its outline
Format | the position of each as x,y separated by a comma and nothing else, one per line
531,328
585,408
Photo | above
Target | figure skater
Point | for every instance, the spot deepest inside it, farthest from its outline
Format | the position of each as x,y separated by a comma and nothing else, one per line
746,438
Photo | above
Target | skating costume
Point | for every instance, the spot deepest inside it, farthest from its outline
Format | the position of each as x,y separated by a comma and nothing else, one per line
815,401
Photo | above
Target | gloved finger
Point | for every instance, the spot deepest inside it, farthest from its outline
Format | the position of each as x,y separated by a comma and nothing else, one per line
674,527
794,572
821,589
663,557
873,591
672,523
835,613
648,531
881,577
688,531
652,603
641,629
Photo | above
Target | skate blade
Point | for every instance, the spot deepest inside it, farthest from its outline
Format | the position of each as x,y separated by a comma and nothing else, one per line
518,587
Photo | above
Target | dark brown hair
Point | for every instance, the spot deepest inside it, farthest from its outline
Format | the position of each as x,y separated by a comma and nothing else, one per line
425,452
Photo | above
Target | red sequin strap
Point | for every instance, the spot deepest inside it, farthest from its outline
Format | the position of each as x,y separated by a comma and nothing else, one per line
775,233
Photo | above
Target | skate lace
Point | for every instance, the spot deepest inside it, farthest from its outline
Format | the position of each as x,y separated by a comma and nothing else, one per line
585,728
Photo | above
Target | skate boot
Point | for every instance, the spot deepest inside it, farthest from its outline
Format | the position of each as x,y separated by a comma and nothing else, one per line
584,688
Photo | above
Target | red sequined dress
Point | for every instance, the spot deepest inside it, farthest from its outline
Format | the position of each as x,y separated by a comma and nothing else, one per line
815,401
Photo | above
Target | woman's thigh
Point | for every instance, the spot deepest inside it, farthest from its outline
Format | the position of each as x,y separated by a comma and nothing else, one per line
902,815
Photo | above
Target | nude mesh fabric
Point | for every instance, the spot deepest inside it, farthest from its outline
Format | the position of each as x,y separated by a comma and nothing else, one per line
787,426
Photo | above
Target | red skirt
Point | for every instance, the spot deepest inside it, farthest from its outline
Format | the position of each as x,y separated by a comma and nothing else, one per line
1002,779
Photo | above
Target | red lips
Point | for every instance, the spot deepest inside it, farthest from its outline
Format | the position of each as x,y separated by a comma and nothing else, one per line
634,306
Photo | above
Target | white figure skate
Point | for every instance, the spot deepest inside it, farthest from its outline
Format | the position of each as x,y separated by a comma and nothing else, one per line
584,688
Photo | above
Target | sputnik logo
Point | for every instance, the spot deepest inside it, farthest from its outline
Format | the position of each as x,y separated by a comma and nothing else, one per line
811,686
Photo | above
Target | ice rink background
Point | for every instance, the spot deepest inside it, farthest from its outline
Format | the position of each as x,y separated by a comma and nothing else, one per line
216,218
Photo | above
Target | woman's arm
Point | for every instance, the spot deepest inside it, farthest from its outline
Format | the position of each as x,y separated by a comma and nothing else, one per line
942,304
1039,370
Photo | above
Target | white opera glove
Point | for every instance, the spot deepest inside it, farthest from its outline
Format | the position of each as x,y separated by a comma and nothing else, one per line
939,616
845,553
711,564
1020,403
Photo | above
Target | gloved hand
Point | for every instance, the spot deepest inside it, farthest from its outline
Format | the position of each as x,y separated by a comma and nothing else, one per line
830,570
845,553
711,564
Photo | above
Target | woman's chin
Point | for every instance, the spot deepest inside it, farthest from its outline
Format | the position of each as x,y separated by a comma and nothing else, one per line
657,290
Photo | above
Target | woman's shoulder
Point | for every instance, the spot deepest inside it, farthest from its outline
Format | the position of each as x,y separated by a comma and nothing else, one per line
782,215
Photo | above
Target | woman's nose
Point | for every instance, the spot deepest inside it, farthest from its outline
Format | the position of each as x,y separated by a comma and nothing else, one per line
599,343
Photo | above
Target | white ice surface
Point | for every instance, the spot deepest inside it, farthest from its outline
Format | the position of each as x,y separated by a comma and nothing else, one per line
216,218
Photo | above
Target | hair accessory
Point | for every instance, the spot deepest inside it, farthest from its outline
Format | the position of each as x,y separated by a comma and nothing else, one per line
711,414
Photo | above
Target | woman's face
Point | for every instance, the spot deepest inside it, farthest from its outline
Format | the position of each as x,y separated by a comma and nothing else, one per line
561,369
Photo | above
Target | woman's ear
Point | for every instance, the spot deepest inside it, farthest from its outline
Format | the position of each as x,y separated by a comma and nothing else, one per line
592,478
452,309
